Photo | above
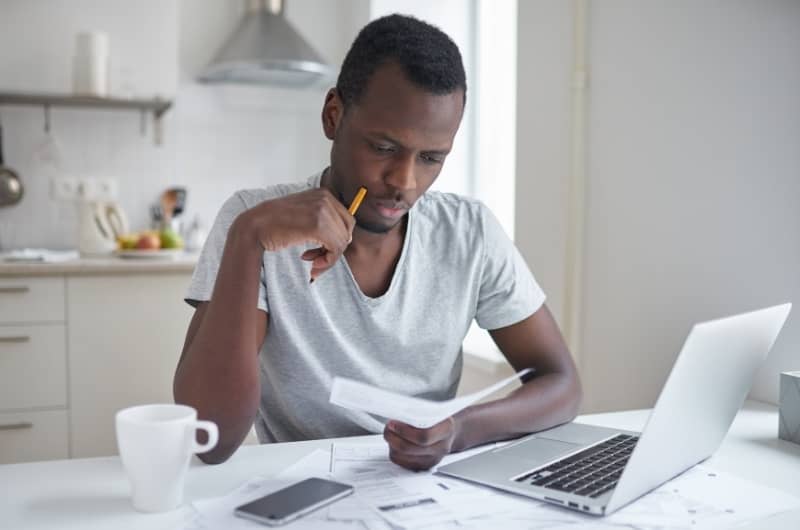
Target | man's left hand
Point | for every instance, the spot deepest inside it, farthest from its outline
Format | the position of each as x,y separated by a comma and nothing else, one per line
419,449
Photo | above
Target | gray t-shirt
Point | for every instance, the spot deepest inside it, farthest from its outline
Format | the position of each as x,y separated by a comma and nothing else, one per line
456,264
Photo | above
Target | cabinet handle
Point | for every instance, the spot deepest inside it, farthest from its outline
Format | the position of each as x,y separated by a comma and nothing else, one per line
17,338
16,426
14,289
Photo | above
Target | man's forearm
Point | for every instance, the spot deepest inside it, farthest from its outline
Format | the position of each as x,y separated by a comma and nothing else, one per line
543,402
218,374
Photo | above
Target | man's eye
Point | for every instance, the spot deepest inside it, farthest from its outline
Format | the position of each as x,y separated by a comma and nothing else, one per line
430,159
383,148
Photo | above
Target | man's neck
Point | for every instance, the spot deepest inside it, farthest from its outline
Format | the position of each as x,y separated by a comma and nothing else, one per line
378,243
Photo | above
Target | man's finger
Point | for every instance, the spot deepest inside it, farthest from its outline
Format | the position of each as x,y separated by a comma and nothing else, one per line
429,436
401,445
312,254
414,463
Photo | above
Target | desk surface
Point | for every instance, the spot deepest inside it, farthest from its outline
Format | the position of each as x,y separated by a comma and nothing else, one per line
94,493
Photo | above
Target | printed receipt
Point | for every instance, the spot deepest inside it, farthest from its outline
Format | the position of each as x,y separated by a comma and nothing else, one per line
421,413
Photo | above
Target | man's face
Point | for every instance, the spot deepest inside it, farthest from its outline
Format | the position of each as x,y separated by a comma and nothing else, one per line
393,141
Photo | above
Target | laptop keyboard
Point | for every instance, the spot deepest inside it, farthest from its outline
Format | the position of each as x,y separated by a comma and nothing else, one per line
588,473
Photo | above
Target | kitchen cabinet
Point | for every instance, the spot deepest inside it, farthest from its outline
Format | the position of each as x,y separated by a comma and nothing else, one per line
79,345
125,338
33,374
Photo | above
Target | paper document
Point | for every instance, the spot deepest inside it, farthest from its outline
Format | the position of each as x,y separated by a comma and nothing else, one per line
386,494
421,413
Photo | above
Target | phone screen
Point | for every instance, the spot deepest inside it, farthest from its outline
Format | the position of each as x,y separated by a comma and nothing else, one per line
293,501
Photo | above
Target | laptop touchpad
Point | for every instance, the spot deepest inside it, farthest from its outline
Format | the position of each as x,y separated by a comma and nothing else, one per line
539,450
577,433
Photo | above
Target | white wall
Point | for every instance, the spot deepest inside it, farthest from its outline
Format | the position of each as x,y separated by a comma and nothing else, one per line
693,172
544,56
217,140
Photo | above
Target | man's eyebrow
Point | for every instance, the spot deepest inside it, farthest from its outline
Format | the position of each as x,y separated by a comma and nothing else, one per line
386,137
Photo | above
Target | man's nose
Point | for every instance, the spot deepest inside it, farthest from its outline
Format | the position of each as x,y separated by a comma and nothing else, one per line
401,174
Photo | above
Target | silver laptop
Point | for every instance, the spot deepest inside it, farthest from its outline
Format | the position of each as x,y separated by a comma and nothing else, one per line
598,470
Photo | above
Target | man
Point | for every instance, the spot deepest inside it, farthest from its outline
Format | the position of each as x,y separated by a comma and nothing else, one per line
291,290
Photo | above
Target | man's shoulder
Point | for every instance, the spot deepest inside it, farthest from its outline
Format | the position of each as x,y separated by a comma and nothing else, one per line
253,196
450,209
245,199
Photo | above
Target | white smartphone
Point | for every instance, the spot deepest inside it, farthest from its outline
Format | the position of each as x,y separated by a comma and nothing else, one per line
294,501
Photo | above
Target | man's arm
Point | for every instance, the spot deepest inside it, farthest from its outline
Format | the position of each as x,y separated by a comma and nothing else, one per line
218,372
550,398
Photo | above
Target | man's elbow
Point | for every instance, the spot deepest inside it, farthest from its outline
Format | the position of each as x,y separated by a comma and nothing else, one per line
218,455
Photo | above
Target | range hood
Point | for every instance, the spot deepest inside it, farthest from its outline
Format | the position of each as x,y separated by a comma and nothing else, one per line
266,50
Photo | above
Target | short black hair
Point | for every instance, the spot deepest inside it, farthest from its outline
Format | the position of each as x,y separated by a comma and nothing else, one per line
428,57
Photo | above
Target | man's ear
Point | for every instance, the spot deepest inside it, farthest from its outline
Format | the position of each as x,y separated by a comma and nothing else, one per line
332,113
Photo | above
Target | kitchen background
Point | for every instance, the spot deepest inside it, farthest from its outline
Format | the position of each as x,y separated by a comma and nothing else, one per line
216,139
691,191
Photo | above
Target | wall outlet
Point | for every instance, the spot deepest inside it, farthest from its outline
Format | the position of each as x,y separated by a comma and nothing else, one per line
63,188
92,189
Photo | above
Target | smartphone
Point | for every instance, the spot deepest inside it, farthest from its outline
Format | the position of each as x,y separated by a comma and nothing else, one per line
294,501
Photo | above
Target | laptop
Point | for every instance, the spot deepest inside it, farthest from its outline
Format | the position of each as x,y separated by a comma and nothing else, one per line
598,470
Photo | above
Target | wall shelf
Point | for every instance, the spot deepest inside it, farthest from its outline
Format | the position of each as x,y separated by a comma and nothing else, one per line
157,107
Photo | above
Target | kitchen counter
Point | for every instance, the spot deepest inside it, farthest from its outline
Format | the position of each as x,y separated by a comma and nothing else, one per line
101,265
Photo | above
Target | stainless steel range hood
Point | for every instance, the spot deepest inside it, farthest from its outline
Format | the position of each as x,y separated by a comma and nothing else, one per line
266,50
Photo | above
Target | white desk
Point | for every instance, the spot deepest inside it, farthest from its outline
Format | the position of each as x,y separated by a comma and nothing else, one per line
94,493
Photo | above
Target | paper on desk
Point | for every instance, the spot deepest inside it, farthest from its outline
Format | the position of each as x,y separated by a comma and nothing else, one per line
421,413
701,498
405,498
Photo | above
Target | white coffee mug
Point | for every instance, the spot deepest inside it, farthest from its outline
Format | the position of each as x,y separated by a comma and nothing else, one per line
155,444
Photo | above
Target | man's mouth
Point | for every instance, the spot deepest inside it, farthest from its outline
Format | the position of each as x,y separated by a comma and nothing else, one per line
390,210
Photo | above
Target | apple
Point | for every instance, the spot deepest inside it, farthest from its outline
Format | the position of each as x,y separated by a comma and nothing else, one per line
148,241
170,238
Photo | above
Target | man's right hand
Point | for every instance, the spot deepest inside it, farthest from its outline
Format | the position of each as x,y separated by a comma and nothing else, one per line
314,216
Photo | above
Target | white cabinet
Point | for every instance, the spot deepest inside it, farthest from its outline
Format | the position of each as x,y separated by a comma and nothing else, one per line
75,348
32,435
125,338
33,366
33,373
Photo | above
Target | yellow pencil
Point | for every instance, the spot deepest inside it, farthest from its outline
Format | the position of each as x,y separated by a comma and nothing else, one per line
362,192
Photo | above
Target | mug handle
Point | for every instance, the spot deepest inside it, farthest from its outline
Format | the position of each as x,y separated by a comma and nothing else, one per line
213,436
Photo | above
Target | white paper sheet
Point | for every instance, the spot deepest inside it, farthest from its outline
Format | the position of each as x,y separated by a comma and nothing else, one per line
700,499
421,413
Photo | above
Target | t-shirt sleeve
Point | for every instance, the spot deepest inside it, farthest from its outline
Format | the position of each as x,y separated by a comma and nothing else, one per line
205,273
508,291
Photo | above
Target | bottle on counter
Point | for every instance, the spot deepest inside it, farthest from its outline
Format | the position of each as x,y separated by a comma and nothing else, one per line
195,236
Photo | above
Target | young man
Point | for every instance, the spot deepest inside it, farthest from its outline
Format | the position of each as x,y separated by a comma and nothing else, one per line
393,290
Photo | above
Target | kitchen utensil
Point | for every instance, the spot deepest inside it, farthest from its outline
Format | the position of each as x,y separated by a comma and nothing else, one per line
168,201
11,189
180,200
100,224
